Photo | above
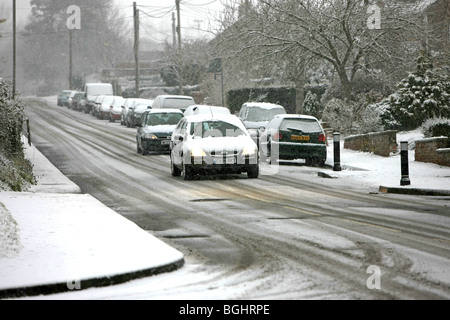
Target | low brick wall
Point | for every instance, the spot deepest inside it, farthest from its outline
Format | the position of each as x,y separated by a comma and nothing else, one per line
380,143
434,150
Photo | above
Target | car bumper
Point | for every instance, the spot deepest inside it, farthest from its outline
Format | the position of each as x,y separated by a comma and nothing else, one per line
291,151
236,164
156,144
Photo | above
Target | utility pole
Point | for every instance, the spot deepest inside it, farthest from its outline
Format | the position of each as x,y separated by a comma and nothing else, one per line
70,60
14,50
136,47
177,2
174,31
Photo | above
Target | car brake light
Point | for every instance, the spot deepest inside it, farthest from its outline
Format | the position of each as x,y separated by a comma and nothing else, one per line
322,138
277,135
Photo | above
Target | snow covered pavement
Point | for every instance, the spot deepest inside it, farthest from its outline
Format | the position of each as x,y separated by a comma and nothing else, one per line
56,239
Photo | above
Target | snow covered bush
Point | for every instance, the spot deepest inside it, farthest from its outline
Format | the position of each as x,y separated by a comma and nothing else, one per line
339,115
423,95
355,117
436,127
311,105
15,170
11,117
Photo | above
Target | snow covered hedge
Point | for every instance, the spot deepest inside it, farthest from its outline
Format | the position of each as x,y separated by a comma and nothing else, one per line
15,170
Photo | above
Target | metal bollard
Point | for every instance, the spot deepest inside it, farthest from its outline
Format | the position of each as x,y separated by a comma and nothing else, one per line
337,151
404,181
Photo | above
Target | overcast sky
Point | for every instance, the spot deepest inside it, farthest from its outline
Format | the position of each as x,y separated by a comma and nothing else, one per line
197,16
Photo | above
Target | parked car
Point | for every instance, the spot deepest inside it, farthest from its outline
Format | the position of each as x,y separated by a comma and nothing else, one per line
155,129
96,105
212,144
293,136
63,98
79,101
135,113
205,109
255,115
105,106
115,110
95,89
129,102
173,102
70,99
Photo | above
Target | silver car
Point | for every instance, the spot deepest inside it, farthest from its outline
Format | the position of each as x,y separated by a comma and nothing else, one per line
217,144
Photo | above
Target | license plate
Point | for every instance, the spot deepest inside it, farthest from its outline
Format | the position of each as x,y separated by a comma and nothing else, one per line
299,138
165,142
227,160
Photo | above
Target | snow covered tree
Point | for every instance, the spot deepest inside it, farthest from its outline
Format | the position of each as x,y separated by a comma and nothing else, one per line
424,94
285,36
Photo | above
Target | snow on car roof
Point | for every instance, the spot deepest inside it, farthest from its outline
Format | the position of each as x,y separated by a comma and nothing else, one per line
165,111
201,109
264,105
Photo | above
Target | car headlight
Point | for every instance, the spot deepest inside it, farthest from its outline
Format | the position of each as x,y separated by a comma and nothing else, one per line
249,151
150,136
198,152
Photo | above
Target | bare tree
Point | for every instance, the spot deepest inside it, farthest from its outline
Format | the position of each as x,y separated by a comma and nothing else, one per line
349,35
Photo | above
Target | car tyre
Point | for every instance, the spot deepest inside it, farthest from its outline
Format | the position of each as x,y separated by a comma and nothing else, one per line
186,172
138,150
253,172
145,151
173,168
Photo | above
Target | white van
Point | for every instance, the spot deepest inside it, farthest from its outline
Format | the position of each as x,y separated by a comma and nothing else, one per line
94,89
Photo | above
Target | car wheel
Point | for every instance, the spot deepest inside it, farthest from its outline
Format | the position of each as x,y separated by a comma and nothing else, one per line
173,168
186,172
319,162
138,150
145,151
253,172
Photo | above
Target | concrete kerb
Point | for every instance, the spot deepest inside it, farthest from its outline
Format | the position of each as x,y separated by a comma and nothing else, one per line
54,288
414,191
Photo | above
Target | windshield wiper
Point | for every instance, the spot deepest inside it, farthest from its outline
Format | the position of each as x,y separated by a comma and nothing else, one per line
293,129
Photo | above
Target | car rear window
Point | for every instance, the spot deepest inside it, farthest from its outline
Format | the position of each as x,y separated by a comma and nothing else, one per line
177,103
262,114
305,125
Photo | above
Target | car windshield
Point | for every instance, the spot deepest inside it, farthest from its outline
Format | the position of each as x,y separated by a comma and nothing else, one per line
215,129
304,125
164,118
177,103
262,114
